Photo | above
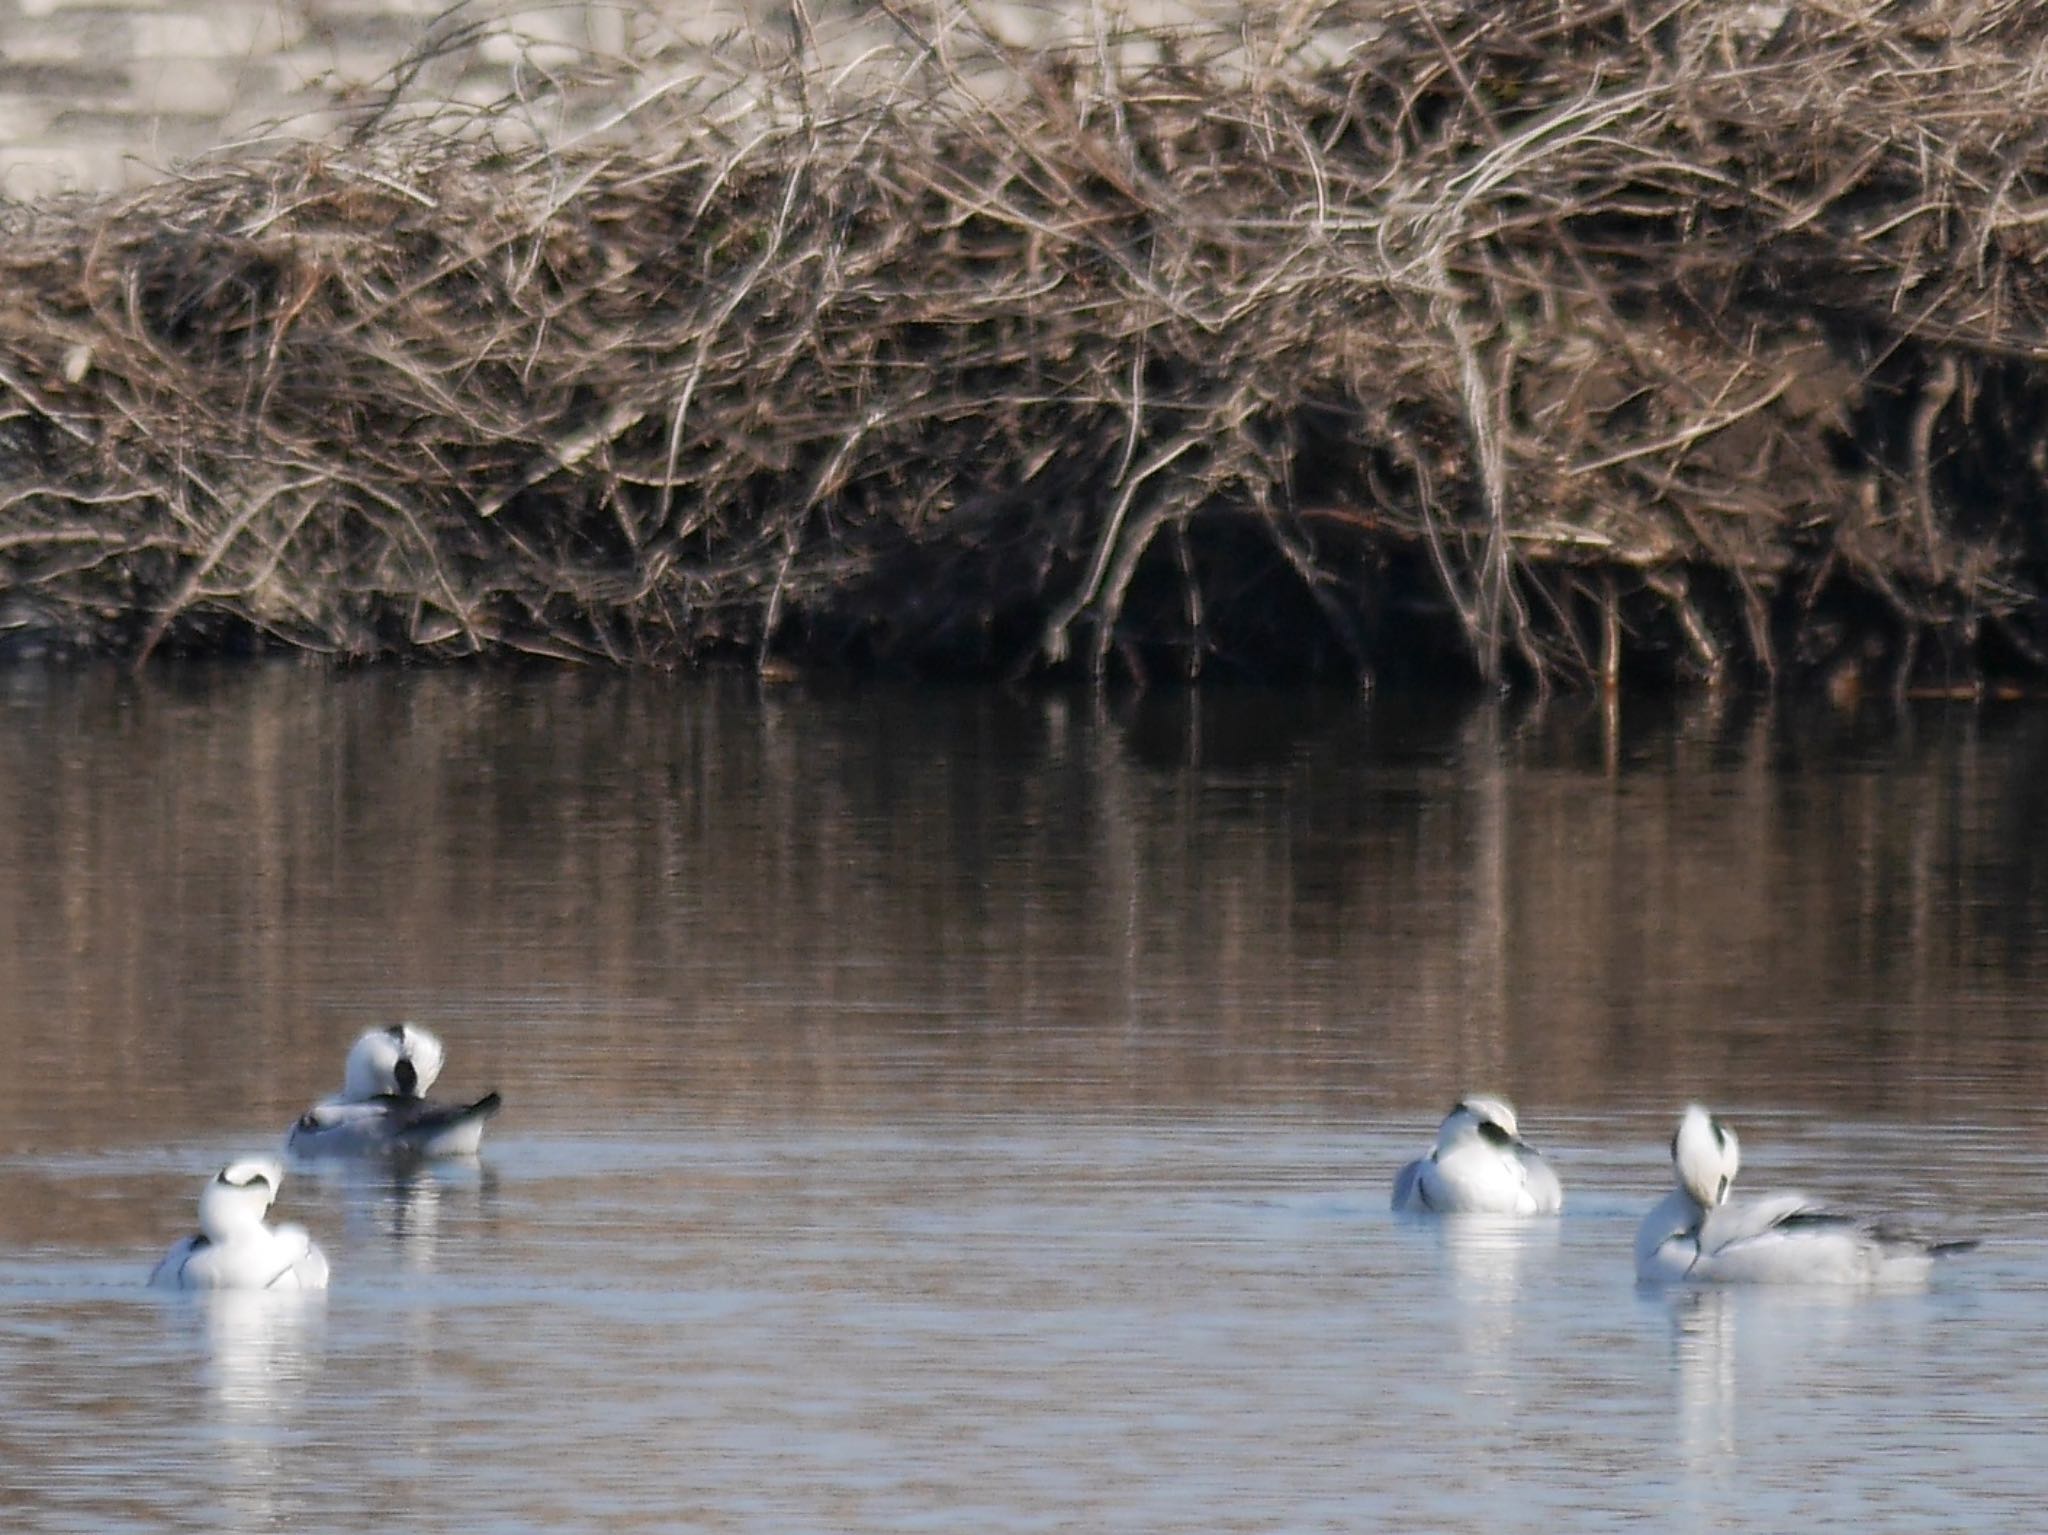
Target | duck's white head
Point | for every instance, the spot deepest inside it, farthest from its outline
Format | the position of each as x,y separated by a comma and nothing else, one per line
239,1196
401,1061
1474,1112
1705,1156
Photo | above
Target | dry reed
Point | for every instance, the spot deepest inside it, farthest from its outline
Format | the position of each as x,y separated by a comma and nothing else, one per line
1539,338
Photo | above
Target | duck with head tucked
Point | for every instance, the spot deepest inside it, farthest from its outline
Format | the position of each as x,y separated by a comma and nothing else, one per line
1479,1165
383,1109
1697,1235
234,1249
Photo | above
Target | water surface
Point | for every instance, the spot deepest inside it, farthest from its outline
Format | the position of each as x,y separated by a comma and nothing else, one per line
935,1111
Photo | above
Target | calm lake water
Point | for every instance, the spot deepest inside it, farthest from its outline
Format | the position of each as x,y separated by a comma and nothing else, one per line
970,1112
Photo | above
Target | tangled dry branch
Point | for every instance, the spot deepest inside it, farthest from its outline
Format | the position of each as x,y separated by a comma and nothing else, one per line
1550,338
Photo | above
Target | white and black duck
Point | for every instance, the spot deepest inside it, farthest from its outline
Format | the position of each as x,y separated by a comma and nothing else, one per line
234,1248
1479,1165
1697,1235
383,1108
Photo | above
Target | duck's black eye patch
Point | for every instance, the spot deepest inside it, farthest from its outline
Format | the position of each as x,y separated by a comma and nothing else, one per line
1720,1135
407,1075
1494,1135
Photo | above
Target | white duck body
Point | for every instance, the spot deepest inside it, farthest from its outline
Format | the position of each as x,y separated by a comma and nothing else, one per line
391,1125
1697,1235
234,1249
1480,1165
383,1110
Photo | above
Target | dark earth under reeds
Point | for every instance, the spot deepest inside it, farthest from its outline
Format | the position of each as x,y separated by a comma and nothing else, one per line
1534,340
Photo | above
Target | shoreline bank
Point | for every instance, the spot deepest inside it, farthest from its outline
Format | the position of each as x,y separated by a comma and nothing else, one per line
1686,342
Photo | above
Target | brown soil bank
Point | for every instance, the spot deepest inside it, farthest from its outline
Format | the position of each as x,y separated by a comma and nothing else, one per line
1525,339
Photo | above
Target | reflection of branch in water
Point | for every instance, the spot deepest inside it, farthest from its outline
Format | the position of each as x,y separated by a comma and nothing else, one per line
1043,859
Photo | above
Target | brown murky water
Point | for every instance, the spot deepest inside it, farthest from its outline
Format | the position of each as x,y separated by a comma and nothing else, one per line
959,1111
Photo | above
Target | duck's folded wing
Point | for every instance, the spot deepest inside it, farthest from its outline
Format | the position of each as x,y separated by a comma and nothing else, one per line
1540,1178
300,1263
392,1125
1747,1219
427,1127
1408,1186
334,1114
430,1116
1895,1236
170,1270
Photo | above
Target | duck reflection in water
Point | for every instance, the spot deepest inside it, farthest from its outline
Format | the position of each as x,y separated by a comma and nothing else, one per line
1740,1353
407,1206
260,1346
1488,1263
263,1351
1703,1342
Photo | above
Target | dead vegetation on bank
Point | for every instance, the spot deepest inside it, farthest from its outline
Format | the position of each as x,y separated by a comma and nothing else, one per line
1544,339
